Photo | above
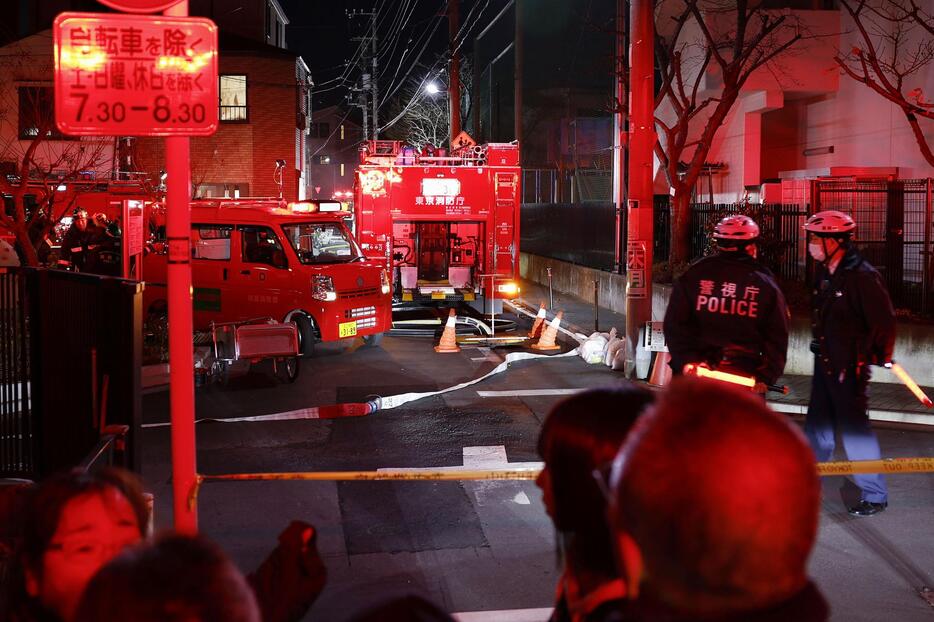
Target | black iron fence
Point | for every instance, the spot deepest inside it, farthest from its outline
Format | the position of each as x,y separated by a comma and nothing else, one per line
70,356
580,233
894,232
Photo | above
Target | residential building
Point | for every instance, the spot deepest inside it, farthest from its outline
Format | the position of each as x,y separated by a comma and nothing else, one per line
333,152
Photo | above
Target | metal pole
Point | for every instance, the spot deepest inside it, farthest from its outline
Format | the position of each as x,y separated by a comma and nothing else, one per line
619,138
517,84
181,375
596,306
927,255
454,79
551,291
641,148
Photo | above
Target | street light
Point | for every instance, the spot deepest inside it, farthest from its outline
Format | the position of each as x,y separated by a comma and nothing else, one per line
432,88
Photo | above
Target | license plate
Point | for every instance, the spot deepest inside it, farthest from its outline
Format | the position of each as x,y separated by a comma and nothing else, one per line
347,329
438,295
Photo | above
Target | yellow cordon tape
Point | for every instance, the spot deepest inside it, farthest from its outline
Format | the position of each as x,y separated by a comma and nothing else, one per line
889,465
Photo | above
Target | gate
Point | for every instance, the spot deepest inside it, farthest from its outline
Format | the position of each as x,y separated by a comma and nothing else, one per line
893,220
70,360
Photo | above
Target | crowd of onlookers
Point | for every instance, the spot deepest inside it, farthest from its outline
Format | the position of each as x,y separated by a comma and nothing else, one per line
695,503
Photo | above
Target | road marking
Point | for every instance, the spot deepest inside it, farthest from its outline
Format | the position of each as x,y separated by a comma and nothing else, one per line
529,392
522,499
507,615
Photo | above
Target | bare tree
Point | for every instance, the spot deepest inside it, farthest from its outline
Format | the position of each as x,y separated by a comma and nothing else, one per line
43,159
425,117
892,59
695,41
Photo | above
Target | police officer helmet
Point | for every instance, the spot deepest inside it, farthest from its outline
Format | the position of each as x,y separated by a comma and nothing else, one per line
80,212
735,232
830,224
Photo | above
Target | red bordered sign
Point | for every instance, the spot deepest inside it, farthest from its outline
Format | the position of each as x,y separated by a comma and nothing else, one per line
128,75
139,6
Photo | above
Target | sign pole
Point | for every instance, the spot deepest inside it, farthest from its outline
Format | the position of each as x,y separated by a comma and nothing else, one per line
181,374
641,213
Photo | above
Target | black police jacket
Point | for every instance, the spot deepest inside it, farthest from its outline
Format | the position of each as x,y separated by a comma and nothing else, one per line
853,321
728,306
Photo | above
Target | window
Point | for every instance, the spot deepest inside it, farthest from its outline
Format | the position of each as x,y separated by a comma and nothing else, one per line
233,98
260,245
210,242
36,109
318,243
320,130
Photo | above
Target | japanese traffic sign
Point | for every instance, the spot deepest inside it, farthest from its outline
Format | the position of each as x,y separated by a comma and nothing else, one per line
129,75
139,6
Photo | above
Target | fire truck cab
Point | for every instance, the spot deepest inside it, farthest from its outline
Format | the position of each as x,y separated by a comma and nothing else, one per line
446,226
264,258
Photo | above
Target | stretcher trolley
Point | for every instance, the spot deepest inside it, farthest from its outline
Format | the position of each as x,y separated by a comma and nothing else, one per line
235,346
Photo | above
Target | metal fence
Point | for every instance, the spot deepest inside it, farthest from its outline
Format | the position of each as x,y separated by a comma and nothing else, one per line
580,233
894,232
893,220
70,360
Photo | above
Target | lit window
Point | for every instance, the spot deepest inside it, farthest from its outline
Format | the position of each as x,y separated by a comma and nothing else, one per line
342,134
342,169
233,98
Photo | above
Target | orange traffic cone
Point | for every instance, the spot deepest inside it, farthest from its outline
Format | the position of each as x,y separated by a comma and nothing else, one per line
661,370
448,341
536,331
547,342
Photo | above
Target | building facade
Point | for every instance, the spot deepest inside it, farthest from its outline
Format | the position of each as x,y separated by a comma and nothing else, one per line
333,153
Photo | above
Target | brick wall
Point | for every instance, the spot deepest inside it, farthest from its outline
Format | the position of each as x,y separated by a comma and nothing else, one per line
245,152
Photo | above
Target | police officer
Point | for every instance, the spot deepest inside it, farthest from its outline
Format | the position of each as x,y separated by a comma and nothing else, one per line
853,327
76,240
727,310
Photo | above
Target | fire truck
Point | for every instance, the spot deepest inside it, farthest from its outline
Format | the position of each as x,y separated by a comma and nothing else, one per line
293,262
447,226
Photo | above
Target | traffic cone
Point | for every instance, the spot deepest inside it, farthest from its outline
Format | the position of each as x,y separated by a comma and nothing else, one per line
448,341
661,370
536,331
547,341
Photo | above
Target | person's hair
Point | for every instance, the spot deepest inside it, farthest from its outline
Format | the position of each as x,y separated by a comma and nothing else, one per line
404,608
580,435
175,579
722,497
46,502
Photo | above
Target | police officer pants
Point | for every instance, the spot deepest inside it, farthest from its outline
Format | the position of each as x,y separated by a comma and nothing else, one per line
841,406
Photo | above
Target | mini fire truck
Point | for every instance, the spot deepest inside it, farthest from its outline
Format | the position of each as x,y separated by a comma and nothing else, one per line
447,226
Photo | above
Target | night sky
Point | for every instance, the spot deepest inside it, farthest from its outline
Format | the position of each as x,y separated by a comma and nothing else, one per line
322,33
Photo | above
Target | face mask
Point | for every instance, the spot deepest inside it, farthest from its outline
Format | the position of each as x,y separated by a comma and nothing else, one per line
816,249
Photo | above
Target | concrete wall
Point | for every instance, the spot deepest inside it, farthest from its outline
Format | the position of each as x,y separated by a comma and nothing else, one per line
914,346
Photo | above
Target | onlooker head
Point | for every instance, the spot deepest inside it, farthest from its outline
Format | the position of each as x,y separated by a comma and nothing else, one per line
404,608
716,502
581,435
175,579
74,523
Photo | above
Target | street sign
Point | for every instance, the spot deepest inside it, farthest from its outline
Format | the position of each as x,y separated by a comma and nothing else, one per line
636,286
133,236
139,6
128,75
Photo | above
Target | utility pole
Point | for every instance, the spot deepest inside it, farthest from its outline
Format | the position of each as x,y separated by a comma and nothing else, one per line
454,81
373,80
640,219
369,79
517,84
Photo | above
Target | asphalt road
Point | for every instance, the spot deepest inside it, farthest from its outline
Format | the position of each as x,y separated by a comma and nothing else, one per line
471,546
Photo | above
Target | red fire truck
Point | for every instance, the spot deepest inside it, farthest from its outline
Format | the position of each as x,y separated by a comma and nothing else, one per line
261,257
446,225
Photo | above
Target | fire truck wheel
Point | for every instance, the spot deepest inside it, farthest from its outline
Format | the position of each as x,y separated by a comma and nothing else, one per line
306,335
287,369
373,341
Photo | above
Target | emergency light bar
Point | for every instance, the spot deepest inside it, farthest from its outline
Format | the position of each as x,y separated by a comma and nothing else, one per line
303,207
